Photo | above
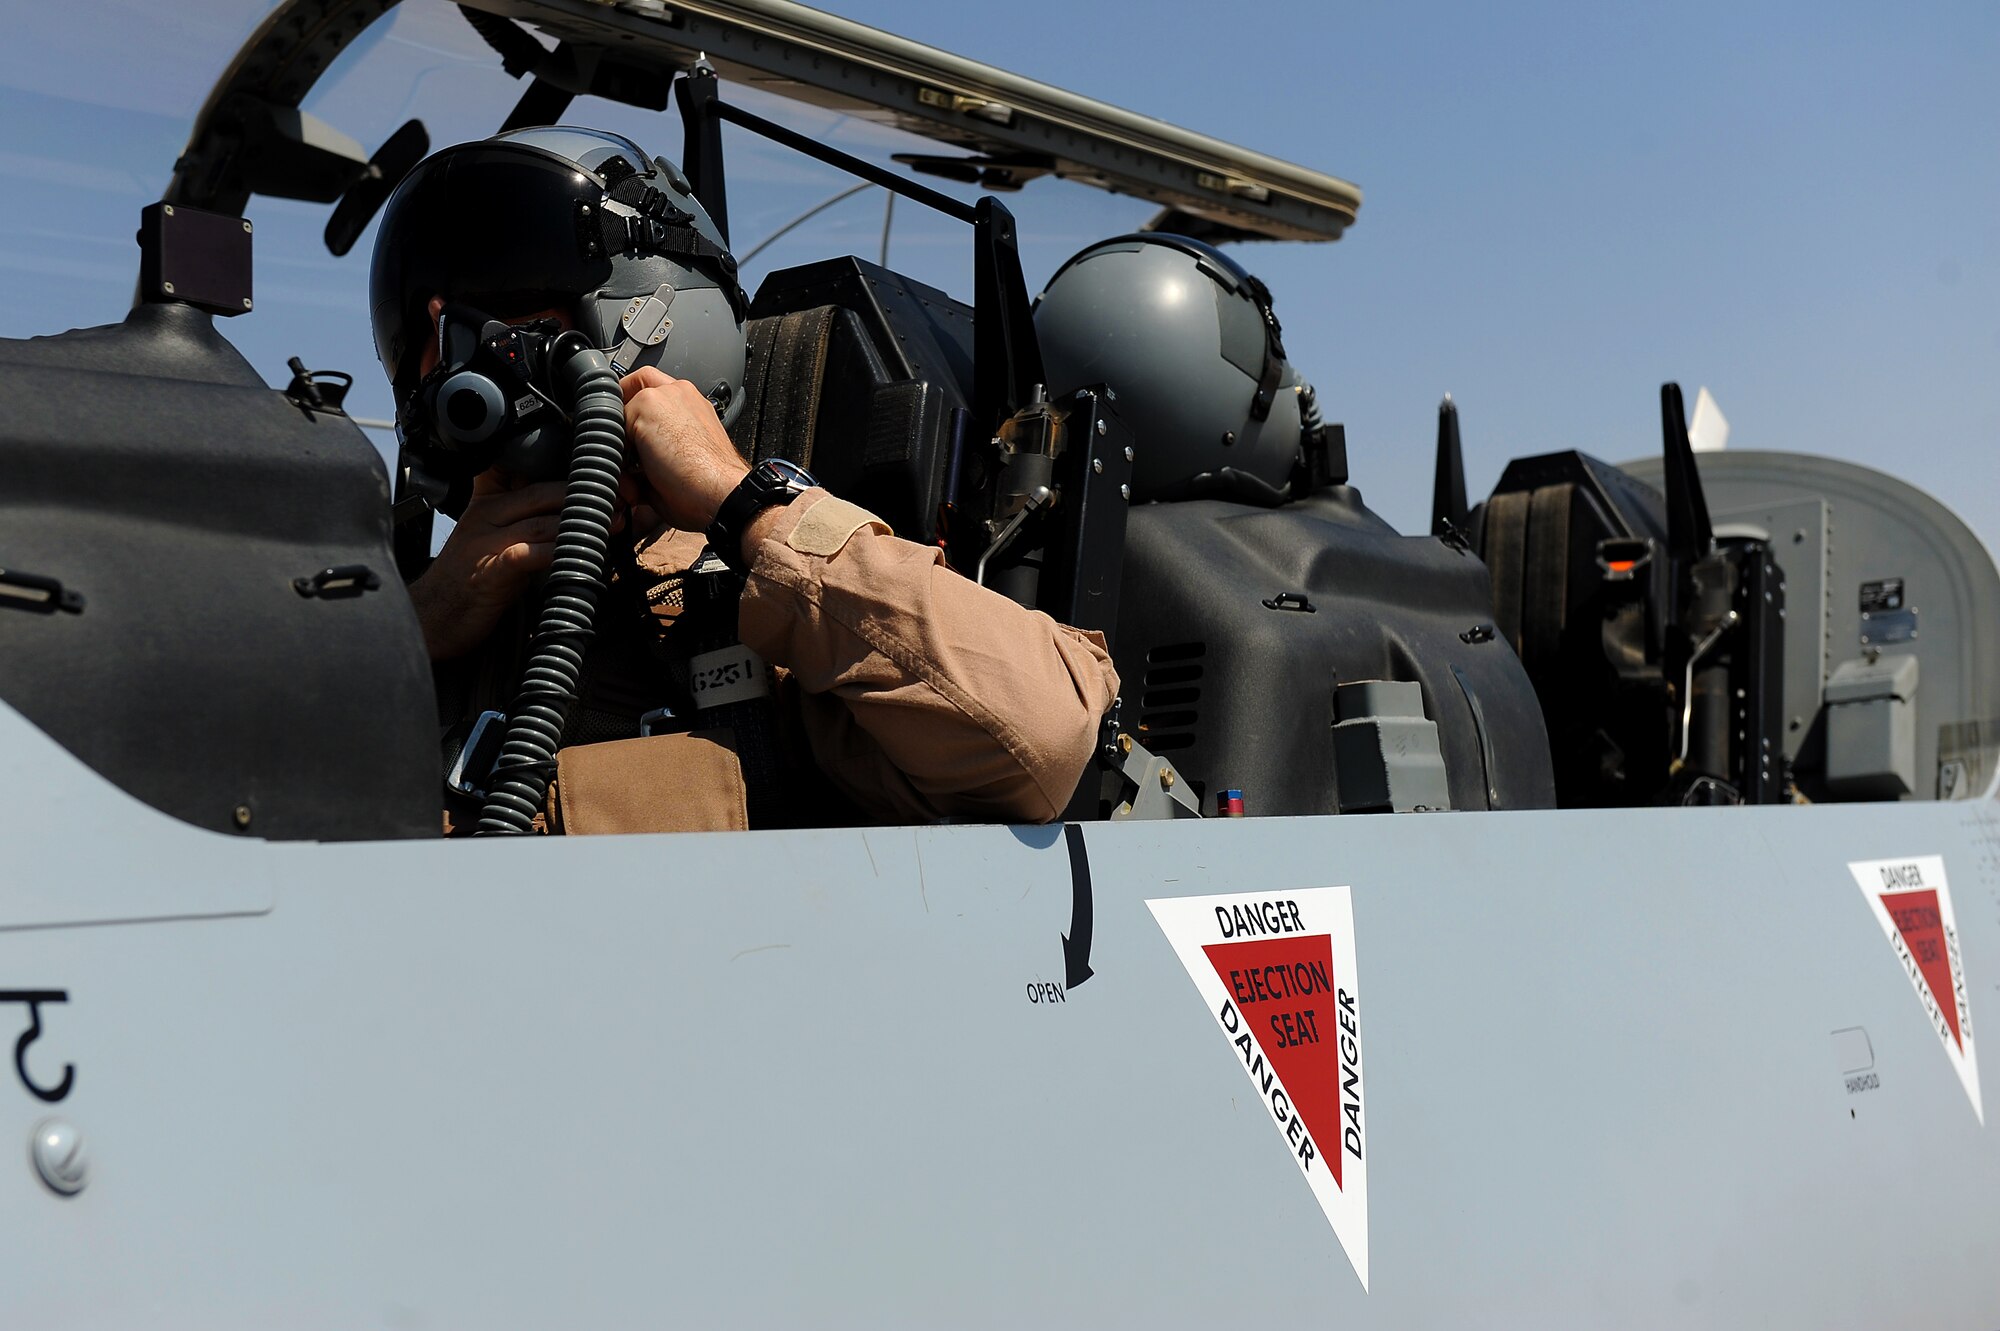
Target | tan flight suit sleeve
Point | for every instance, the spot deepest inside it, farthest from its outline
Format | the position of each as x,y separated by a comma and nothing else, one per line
926,695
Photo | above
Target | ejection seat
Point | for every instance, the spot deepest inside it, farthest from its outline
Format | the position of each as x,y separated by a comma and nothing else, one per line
863,377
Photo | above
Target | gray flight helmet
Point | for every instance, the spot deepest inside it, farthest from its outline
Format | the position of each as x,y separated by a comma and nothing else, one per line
1187,341
559,216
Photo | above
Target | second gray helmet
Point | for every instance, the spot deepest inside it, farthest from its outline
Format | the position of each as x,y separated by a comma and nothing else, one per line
1187,340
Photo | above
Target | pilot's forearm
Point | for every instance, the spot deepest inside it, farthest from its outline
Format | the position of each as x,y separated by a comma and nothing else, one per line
976,706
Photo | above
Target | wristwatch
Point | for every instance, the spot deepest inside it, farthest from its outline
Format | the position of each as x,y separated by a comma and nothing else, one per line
773,481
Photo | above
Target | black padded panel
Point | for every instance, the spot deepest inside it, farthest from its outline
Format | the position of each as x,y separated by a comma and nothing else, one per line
1240,693
148,467
784,374
1504,528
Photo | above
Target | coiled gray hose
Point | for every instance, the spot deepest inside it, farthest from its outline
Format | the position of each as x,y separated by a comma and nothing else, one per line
577,578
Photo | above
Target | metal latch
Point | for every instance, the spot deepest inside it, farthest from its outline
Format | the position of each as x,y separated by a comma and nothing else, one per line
32,591
474,764
339,582
644,324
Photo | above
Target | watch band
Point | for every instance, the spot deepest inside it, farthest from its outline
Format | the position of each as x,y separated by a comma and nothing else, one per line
770,483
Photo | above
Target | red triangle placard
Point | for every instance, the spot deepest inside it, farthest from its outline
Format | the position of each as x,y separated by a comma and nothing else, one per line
1283,988
1911,901
1919,921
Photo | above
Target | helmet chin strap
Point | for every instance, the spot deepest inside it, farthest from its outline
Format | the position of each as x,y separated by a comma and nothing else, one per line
1274,350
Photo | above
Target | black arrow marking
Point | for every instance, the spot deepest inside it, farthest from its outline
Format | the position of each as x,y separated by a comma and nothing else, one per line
1076,943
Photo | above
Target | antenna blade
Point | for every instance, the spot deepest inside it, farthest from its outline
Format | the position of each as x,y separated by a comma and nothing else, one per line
1448,508
1689,535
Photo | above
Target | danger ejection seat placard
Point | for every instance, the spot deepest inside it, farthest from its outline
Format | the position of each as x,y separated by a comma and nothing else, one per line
1276,970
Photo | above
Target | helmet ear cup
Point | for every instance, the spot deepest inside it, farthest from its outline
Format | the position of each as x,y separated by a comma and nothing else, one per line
1188,342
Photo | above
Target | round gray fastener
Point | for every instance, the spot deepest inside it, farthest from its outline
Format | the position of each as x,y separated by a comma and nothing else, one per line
57,1151
1100,427
1109,396
246,302
1129,454
1124,492
242,815
167,209
1097,465
167,287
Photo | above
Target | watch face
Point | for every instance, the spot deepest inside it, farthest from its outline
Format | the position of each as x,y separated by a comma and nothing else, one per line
788,473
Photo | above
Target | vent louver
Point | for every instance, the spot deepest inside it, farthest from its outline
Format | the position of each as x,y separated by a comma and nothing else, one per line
1170,695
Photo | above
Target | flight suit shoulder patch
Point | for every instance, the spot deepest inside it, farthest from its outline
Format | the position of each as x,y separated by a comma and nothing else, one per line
828,525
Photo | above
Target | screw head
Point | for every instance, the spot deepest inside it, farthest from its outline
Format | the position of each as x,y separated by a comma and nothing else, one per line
57,1152
167,287
1128,453
1124,492
1228,438
167,210
242,815
1110,396
1166,778
1100,427
1124,744
1097,465
246,302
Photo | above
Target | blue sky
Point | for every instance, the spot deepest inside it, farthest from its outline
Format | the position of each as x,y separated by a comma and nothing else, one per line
1795,205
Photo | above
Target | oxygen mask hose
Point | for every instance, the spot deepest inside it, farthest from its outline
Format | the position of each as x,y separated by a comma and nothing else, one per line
576,581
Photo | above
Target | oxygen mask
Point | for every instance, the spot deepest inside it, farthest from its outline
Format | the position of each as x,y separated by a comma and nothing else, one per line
493,399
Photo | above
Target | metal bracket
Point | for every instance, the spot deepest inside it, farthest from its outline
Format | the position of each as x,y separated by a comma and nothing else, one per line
1007,360
701,148
1157,790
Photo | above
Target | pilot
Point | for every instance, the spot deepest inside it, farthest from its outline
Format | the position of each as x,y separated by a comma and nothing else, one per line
788,660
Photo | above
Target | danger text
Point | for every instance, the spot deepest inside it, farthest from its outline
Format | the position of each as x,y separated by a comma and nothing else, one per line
1259,918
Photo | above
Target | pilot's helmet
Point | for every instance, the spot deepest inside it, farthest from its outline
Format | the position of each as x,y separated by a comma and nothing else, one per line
1187,341
558,217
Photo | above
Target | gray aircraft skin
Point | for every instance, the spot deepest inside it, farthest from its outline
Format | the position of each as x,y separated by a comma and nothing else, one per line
1632,1068
1621,1067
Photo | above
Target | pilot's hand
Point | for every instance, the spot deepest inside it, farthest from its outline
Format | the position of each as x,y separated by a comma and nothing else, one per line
505,537
688,460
